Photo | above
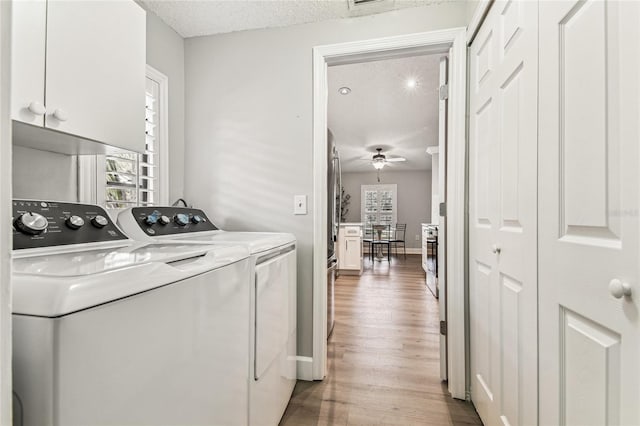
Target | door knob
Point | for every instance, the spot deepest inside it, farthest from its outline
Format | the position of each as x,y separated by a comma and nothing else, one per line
37,108
496,249
619,288
60,115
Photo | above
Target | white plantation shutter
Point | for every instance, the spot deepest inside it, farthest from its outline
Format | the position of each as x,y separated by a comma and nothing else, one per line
132,179
379,205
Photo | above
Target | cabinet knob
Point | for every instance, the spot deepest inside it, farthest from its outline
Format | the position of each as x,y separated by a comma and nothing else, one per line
619,288
37,108
496,249
60,115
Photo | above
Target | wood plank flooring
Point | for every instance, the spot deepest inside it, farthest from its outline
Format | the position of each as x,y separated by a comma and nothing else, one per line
383,356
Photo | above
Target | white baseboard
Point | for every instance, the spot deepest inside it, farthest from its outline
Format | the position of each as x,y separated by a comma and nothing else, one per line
410,250
305,368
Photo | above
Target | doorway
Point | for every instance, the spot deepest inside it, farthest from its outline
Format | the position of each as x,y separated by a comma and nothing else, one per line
453,41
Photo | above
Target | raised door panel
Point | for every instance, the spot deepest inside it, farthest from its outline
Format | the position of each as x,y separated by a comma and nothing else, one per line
589,127
28,36
96,66
503,278
352,255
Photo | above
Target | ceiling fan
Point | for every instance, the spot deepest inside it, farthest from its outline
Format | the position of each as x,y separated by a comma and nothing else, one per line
379,160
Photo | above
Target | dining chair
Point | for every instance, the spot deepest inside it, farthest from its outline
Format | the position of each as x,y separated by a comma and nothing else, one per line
381,234
399,234
368,239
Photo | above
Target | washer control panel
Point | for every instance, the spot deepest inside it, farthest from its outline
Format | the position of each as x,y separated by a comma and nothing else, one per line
48,223
159,221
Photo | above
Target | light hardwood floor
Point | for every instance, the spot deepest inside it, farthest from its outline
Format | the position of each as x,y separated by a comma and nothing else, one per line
383,356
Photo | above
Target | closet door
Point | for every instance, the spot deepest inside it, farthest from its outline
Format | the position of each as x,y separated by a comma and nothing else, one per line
588,195
502,204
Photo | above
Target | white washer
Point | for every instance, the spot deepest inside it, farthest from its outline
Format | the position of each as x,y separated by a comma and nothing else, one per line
108,331
273,285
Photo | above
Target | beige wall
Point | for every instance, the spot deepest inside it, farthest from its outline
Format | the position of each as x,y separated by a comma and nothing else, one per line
248,142
414,197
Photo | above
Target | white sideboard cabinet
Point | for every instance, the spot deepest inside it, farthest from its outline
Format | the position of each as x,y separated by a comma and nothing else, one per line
350,256
78,67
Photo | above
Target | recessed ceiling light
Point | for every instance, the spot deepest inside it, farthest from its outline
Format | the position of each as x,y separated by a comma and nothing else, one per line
344,90
412,83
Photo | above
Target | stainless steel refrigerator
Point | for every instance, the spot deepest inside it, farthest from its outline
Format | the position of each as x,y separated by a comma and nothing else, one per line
334,200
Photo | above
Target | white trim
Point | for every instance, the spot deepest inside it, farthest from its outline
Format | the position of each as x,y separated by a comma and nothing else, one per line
359,51
482,8
87,179
305,368
433,150
5,213
163,102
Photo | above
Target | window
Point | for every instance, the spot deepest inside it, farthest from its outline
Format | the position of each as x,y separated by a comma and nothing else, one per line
130,179
378,204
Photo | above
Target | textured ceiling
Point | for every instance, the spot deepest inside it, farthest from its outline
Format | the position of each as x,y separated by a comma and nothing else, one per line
382,112
192,18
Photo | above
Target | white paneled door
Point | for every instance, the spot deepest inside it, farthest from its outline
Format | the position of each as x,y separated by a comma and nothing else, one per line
503,222
588,213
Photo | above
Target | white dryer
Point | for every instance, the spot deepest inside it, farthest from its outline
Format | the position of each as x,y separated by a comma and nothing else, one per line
273,284
108,331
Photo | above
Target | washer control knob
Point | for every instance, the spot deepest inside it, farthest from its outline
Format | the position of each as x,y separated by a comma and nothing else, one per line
182,219
164,220
75,222
99,221
31,223
196,219
152,219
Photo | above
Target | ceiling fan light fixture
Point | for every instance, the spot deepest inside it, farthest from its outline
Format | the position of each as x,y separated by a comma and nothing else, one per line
378,163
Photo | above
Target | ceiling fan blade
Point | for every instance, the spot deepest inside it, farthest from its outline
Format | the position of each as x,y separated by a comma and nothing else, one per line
396,159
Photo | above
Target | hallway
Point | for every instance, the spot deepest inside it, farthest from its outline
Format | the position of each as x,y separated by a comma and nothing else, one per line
383,356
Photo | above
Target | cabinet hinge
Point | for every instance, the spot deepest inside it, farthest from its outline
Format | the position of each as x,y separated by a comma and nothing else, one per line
443,328
443,209
444,92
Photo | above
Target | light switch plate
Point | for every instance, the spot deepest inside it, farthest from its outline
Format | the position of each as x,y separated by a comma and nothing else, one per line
299,204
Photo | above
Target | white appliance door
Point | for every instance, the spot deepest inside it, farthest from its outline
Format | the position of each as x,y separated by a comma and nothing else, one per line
589,184
502,221
175,355
274,354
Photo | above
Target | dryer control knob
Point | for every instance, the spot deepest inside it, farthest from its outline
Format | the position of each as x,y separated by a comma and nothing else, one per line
182,219
164,220
99,221
31,223
151,219
196,219
74,222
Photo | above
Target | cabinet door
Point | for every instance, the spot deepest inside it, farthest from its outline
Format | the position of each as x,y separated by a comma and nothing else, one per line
352,253
95,78
28,35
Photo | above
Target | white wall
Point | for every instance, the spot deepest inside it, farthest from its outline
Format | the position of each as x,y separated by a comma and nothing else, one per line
414,197
44,175
248,143
165,52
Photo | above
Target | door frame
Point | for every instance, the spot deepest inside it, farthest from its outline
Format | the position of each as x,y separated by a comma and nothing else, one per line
378,49
5,214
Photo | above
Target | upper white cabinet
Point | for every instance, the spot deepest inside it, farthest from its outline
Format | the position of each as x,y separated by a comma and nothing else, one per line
79,68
